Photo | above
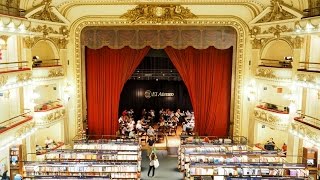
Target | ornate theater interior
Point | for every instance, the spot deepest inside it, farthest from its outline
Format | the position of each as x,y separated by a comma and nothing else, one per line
215,89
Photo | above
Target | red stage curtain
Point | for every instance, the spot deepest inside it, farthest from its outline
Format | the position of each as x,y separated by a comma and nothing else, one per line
107,70
207,75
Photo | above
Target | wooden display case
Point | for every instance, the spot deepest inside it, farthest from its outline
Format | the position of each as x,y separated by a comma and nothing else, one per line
15,158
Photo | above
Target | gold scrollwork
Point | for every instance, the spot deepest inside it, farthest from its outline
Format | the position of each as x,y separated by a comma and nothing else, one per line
158,14
56,73
277,13
258,43
306,78
23,77
3,80
277,30
46,13
266,73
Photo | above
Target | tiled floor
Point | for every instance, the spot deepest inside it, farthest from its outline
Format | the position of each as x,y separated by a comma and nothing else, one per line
166,171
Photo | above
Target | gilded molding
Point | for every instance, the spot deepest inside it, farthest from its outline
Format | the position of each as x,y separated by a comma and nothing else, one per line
277,30
258,43
56,72
3,80
310,78
309,132
297,42
25,129
265,73
44,29
43,119
61,43
22,77
255,31
274,74
277,121
158,14
236,23
46,13
277,13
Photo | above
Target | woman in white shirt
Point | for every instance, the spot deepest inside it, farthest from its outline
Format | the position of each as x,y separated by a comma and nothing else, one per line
152,158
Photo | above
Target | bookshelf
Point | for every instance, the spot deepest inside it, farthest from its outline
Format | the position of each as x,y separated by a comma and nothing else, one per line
89,160
15,155
219,160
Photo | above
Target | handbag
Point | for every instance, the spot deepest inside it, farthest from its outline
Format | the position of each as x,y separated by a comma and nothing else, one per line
156,163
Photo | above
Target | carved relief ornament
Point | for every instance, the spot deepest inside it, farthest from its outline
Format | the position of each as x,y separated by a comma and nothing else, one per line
56,72
265,73
270,119
158,14
277,13
3,80
61,43
306,78
22,77
46,13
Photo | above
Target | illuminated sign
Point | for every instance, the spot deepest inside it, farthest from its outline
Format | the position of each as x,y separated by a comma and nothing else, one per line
148,94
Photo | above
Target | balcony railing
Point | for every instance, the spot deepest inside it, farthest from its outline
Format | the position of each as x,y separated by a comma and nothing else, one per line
47,106
276,63
15,121
46,63
308,120
14,66
309,66
6,9
311,12
273,108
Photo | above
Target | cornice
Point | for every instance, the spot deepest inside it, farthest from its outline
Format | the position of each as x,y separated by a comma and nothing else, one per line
254,5
238,24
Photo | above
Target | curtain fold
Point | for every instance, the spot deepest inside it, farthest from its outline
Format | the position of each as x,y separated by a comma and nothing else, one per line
107,70
207,74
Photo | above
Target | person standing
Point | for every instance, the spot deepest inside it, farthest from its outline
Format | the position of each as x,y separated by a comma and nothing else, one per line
150,142
152,158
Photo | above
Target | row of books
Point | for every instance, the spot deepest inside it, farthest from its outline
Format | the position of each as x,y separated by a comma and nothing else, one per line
86,156
97,174
110,146
248,171
80,168
235,159
213,149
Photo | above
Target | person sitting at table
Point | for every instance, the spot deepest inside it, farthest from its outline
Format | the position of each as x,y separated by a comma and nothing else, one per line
140,128
150,131
189,127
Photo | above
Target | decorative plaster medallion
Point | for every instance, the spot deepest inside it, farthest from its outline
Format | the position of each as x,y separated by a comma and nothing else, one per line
265,72
56,72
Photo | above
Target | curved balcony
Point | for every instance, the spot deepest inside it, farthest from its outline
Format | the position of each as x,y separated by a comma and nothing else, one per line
303,130
274,119
308,79
42,73
14,74
274,74
47,117
15,127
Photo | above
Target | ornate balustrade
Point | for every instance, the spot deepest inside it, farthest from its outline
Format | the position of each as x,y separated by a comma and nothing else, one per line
274,120
15,79
308,79
274,74
48,73
305,131
50,117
